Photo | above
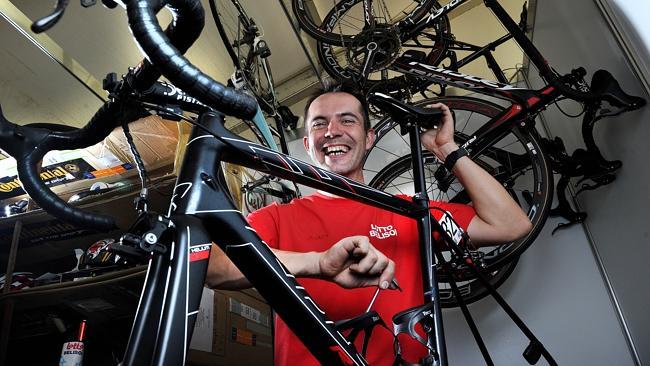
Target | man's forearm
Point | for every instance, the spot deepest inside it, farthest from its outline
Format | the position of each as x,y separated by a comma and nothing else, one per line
493,204
223,274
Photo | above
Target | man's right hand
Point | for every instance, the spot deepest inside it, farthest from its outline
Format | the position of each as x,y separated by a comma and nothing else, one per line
354,262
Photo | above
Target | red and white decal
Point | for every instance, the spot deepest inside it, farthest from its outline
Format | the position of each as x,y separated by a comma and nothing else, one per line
199,252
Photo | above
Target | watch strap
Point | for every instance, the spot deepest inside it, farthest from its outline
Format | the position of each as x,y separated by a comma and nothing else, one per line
453,157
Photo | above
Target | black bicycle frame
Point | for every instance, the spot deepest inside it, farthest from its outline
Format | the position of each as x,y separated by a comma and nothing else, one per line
196,224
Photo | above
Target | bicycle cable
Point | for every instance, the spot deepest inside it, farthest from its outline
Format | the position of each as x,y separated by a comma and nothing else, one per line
566,113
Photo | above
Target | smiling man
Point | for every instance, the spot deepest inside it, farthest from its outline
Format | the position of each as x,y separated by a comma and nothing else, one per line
340,250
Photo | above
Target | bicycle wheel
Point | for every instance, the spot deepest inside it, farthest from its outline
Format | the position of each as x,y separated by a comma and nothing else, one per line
399,173
241,38
516,161
345,62
384,12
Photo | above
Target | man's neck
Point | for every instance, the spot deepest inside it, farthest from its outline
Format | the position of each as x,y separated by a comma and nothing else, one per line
358,177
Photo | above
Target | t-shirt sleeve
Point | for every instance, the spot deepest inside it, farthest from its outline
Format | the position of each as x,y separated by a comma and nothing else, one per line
462,214
265,222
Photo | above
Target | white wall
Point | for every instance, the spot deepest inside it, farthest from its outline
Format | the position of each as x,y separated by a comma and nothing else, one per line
572,33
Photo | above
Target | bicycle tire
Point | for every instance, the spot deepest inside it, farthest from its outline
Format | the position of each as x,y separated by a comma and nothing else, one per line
318,32
231,21
339,60
530,182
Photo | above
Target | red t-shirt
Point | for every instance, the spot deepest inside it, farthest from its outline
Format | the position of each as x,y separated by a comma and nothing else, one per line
315,223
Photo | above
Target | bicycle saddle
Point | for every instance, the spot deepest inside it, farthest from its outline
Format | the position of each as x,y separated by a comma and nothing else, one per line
405,114
606,86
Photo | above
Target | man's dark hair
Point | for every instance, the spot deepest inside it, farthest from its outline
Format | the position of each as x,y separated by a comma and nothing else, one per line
335,87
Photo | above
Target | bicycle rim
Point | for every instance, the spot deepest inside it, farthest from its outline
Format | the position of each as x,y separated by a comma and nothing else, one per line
345,61
414,11
516,161
231,22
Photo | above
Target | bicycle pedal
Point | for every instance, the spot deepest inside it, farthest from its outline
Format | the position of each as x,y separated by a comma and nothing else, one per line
262,49
611,165
237,80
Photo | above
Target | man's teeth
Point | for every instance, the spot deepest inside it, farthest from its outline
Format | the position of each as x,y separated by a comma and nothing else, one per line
336,150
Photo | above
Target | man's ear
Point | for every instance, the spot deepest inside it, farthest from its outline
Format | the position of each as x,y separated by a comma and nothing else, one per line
305,141
370,138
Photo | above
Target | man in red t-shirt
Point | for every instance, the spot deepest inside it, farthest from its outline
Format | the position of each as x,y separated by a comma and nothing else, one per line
341,250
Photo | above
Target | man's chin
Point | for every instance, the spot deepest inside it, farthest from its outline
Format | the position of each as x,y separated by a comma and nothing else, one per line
337,168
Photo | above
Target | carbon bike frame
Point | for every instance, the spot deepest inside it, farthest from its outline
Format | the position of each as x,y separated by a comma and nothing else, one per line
201,212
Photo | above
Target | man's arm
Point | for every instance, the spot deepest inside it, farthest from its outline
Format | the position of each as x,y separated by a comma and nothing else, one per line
352,262
499,219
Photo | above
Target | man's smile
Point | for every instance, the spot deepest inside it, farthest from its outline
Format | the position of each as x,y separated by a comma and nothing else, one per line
335,150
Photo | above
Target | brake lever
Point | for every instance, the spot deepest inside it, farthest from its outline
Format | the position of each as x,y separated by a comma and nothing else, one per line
50,20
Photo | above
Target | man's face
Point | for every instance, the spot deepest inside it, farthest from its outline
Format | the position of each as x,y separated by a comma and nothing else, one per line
336,139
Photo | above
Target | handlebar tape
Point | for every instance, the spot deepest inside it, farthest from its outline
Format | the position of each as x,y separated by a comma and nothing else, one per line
29,144
171,63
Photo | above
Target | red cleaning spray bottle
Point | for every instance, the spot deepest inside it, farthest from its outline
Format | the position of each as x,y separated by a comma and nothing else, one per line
72,353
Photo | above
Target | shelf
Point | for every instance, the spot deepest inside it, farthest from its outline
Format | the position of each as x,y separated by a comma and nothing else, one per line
47,244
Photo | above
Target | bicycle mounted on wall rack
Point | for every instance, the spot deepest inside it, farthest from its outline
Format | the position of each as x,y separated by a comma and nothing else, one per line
419,69
201,210
249,53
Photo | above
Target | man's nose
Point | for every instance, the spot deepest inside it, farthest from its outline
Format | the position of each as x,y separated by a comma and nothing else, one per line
333,129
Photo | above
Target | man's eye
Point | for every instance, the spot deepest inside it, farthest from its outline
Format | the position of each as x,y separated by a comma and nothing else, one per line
318,124
348,121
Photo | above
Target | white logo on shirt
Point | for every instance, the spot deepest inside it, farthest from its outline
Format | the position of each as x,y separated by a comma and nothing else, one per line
382,232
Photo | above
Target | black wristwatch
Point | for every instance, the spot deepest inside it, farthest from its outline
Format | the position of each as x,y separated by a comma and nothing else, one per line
453,157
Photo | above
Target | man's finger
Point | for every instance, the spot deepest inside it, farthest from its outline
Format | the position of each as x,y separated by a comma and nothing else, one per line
387,275
366,263
379,266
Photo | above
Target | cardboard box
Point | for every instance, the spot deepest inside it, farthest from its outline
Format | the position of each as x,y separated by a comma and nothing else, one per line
242,333
155,139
